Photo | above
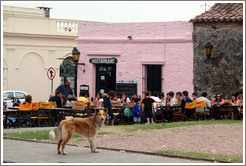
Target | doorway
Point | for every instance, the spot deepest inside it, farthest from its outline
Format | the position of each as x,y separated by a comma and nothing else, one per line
105,78
154,78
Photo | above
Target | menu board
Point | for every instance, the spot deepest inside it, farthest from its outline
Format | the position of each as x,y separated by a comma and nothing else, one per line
129,88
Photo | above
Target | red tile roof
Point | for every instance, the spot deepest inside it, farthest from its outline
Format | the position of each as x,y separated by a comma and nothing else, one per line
221,12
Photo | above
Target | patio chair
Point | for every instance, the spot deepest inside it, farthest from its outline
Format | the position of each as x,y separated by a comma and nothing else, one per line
159,118
190,110
79,107
200,110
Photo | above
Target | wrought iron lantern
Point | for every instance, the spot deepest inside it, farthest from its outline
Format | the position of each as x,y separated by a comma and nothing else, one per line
208,48
76,54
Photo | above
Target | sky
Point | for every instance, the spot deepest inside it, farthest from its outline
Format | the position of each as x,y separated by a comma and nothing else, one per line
120,11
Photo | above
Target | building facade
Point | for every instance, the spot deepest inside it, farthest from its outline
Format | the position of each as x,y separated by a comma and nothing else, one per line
32,43
136,57
222,26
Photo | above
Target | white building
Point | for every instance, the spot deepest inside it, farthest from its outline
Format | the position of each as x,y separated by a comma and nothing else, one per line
32,43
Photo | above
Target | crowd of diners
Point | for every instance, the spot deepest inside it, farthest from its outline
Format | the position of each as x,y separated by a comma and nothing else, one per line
149,104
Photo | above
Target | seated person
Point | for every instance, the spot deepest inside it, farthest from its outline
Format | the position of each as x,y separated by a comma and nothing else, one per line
234,100
207,101
132,102
178,98
84,99
57,98
124,99
218,100
115,98
186,99
171,99
194,96
28,99
168,100
98,97
65,101
163,100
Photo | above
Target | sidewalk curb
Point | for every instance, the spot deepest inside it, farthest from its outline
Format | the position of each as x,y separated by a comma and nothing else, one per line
128,151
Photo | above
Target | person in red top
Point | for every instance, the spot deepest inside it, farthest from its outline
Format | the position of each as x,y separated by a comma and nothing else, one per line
218,100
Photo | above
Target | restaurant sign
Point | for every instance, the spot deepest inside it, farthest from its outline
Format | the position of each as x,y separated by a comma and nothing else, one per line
103,60
67,68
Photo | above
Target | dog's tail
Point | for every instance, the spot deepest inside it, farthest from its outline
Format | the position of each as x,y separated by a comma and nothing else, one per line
56,134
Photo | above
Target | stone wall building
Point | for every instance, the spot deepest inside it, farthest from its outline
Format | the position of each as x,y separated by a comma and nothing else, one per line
222,26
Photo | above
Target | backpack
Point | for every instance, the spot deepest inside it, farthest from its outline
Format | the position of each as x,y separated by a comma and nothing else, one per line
128,112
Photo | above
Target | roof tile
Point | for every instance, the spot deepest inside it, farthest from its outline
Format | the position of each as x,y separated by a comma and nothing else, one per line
221,12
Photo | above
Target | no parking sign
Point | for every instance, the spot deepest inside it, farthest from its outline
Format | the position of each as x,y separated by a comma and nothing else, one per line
51,73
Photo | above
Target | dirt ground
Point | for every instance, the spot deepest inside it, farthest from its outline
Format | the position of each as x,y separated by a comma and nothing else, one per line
224,139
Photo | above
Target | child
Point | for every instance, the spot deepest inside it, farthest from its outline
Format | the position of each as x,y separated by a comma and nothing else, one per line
147,107
107,104
137,111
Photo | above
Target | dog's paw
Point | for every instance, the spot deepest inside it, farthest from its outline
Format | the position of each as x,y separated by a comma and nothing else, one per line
95,151
64,153
59,152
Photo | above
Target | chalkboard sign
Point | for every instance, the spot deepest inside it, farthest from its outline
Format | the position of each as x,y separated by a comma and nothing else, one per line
68,68
129,88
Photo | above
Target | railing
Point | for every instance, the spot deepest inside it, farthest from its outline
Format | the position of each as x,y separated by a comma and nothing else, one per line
43,26
66,26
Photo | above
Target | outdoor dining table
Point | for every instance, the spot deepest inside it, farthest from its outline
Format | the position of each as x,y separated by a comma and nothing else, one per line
21,118
168,112
221,111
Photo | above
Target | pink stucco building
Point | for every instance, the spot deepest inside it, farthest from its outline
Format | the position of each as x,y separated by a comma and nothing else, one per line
151,56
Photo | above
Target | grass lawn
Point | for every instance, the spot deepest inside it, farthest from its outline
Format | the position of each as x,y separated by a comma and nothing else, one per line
130,128
44,134
230,158
127,129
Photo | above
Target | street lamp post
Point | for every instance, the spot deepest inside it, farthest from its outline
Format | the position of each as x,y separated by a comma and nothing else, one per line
76,55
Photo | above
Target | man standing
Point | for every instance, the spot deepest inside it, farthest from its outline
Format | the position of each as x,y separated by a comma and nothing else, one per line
66,89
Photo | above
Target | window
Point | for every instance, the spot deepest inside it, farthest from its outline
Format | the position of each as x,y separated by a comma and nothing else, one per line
8,95
154,78
20,95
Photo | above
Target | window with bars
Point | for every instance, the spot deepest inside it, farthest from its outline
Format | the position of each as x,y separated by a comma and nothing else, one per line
154,79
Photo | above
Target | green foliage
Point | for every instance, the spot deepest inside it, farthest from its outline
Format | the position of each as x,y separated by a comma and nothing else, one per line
227,158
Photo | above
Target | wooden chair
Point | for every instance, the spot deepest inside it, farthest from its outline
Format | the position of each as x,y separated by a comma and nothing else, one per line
179,115
79,108
43,104
116,103
159,118
25,107
241,110
200,110
190,107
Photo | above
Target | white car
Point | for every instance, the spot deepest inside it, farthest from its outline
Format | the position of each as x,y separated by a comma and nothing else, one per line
11,95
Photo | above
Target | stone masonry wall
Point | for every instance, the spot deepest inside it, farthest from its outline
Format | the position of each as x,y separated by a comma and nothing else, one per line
223,71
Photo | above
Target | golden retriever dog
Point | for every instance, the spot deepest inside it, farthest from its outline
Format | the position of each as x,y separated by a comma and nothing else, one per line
87,127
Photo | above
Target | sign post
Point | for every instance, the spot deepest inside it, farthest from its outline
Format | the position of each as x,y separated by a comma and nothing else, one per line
51,73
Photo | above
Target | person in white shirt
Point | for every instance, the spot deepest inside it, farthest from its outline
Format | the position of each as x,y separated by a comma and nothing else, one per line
207,102
172,100
163,99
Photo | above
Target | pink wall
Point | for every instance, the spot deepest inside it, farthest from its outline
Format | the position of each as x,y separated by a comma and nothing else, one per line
169,44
